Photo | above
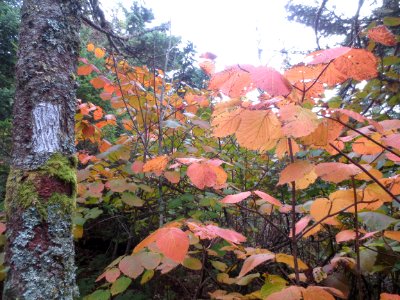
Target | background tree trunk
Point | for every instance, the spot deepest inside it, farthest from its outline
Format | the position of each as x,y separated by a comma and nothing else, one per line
41,187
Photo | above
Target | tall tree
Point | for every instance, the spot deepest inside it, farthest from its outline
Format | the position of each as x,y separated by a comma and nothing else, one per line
41,186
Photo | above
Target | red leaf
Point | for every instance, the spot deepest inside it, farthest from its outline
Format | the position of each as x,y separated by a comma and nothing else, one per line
381,34
173,243
2,227
85,70
269,80
236,198
268,198
137,167
325,56
201,175
208,55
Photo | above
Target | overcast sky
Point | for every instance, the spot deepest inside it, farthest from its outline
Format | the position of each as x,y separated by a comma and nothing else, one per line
234,30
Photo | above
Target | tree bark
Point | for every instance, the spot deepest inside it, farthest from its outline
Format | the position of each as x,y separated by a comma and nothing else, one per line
41,187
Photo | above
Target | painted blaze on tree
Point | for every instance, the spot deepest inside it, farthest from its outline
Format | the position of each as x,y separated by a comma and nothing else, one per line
41,187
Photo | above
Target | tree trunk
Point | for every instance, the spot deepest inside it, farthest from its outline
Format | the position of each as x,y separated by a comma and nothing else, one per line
41,187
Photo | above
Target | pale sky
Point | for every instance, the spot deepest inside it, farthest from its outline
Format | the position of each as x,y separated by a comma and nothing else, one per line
234,30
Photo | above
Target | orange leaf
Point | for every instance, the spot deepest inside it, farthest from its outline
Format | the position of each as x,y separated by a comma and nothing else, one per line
208,67
156,165
298,121
297,171
253,261
345,235
172,176
358,64
381,34
386,296
316,293
268,198
258,130
291,293
283,147
233,81
365,146
90,47
394,235
85,70
221,175
99,53
104,145
236,198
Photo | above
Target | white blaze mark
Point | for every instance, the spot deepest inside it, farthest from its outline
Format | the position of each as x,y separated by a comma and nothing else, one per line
46,128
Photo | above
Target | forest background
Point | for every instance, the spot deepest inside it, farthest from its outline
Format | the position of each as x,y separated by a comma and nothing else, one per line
146,161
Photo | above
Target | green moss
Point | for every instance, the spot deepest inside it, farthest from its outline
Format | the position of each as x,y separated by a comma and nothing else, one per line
22,193
63,168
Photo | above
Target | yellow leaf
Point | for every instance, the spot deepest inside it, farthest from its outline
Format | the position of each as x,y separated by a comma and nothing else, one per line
289,260
226,123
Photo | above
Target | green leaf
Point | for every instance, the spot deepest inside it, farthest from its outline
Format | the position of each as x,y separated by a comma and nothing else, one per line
132,200
99,295
391,60
93,213
367,259
192,263
120,285
391,21
220,266
171,124
376,221
245,280
269,288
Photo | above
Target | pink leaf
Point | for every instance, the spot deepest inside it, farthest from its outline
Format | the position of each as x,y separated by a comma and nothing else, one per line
253,261
236,198
268,198
345,235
